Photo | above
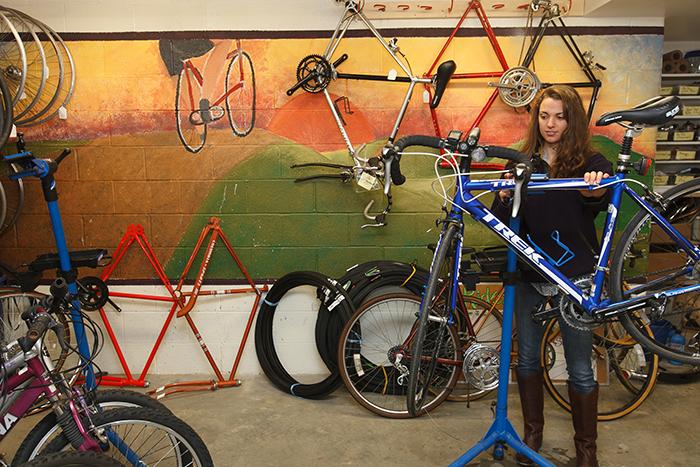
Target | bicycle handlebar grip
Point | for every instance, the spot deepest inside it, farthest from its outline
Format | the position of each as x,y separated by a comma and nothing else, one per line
58,291
414,140
508,154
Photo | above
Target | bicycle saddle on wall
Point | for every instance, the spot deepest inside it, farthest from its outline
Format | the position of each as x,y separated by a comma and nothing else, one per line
442,77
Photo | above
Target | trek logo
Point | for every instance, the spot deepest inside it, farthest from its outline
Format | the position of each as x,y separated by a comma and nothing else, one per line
7,423
509,235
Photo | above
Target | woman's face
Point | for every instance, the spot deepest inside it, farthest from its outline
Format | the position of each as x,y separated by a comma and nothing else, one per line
551,119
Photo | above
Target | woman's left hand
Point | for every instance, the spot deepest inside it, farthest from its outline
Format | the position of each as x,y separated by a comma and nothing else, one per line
594,178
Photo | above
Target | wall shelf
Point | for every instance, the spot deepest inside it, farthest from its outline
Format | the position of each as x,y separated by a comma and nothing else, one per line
678,143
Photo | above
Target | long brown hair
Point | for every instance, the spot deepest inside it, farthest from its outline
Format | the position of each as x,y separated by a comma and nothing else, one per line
575,146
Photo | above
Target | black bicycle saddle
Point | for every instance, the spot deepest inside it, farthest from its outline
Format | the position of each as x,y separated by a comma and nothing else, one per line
655,111
442,77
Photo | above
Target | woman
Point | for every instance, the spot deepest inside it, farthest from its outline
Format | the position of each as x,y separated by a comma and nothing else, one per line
560,225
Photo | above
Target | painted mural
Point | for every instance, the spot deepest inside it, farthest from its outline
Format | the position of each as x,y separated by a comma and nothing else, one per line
168,133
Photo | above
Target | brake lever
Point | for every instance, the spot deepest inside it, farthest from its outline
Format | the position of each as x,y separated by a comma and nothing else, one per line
521,178
378,219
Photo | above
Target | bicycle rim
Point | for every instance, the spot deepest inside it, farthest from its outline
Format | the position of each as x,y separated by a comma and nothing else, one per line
191,131
35,77
625,372
429,377
240,104
647,260
13,60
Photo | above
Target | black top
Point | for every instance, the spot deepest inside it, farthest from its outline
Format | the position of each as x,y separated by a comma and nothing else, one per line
559,224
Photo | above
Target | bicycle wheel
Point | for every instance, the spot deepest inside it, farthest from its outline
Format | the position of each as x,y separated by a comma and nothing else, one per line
625,372
73,459
13,59
12,304
48,427
433,355
371,352
647,261
191,129
36,74
154,437
54,69
480,327
240,103
13,197
65,90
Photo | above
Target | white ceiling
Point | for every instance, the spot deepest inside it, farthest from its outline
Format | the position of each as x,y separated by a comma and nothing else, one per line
682,17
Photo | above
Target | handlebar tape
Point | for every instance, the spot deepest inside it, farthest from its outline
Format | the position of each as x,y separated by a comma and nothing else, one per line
508,154
415,140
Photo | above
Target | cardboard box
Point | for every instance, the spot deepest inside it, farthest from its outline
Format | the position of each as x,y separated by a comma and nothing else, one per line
691,110
662,136
683,136
666,91
684,155
684,178
687,90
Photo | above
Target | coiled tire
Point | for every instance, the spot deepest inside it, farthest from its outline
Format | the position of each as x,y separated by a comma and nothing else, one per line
332,300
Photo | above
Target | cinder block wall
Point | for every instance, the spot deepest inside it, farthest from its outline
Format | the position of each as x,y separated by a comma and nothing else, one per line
128,166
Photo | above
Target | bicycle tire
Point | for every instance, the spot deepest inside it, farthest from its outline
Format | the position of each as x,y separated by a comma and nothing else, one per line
175,436
107,400
630,379
240,104
13,197
423,381
639,237
327,292
488,330
73,459
12,303
187,101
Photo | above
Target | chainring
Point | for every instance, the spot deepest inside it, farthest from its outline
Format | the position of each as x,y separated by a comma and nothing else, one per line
574,316
480,367
518,86
317,66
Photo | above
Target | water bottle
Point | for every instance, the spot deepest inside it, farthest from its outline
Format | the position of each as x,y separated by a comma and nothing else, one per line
676,342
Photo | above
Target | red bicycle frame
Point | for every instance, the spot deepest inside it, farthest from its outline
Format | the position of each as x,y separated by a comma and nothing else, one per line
183,302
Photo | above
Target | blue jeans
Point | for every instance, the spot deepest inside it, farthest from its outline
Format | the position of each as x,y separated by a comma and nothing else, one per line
578,345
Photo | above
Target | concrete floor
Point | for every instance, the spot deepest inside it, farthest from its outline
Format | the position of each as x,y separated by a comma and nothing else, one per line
257,425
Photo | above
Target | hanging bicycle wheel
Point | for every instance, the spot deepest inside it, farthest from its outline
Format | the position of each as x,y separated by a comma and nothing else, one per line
13,60
12,327
65,90
626,373
35,77
189,105
435,357
12,197
240,94
53,58
480,326
647,261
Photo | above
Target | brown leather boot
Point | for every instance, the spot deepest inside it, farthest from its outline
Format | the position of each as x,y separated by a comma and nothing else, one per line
584,412
530,387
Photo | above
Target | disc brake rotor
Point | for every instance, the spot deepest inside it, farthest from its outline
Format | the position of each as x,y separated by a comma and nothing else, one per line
480,367
518,86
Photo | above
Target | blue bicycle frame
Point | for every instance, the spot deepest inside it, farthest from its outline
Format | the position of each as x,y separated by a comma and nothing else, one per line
590,301
44,171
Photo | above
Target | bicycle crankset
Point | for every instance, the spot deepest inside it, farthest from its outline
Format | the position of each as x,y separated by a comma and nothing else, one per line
518,86
572,314
314,72
480,367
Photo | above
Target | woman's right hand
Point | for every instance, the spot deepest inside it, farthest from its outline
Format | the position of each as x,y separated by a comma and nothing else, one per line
506,195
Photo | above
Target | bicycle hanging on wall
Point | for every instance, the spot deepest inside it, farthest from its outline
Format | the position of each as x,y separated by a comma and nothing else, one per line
315,73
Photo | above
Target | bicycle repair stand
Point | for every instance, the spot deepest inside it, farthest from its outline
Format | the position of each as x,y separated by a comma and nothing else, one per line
502,431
